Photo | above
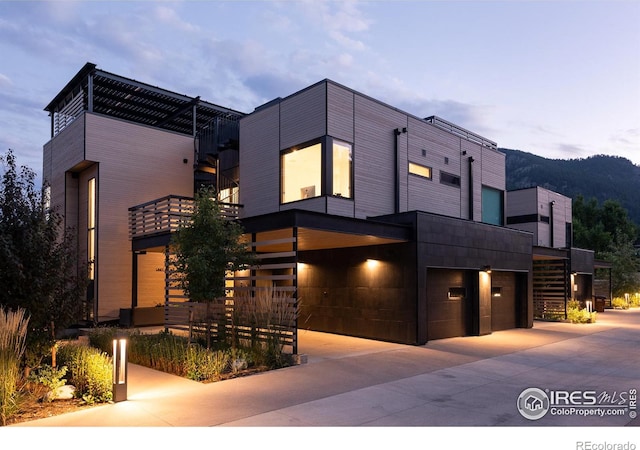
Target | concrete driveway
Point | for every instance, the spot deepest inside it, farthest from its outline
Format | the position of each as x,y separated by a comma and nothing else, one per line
470,381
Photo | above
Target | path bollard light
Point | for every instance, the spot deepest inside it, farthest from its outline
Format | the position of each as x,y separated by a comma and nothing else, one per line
120,368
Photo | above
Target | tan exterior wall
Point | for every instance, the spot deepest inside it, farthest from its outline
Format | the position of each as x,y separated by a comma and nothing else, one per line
132,164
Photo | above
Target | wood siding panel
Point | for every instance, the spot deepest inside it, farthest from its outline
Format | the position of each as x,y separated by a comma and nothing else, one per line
340,117
303,116
317,204
439,145
260,162
522,202
374,156
62,153
340,206
136,164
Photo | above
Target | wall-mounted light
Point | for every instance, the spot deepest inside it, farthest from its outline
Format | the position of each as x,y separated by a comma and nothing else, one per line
372,263
120,368
486,268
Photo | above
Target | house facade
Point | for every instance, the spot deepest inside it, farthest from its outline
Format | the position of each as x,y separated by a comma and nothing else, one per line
382,224
561,272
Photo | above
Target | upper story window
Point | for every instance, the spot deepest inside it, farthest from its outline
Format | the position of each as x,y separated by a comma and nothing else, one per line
419,170
492,206
303,170
301,173
449,179
342,169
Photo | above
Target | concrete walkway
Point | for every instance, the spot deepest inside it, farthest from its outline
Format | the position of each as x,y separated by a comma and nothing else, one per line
471,381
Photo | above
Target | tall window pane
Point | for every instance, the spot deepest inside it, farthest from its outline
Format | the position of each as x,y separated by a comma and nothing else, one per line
91,227
492,206
342,169
301,172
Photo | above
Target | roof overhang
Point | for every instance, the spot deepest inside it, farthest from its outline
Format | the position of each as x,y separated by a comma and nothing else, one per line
316,231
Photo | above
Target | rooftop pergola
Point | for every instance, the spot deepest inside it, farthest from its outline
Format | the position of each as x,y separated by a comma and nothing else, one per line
101,92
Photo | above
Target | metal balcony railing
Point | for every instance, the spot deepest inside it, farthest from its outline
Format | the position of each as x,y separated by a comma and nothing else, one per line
167,214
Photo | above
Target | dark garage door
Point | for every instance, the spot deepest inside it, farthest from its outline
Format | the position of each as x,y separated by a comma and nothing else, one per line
503,300
447,300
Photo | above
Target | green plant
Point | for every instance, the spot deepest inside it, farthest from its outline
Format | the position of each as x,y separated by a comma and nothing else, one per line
52,378
13,334
271,316
90,372
619,303
102,338
576,314
206,365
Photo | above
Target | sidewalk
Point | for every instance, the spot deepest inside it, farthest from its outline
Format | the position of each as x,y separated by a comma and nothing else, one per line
470,381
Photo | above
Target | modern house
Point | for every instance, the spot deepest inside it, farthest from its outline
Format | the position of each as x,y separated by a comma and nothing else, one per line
561,272
383,224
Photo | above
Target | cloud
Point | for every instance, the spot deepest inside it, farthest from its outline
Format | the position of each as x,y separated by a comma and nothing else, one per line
5,81
341,21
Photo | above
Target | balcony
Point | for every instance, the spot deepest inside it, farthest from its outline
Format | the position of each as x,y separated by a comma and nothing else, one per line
165,215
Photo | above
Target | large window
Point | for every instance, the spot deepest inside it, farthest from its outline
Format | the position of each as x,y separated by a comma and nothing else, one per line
492,206
302,171
341,169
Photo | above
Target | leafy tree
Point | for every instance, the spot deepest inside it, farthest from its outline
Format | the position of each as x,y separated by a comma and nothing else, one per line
597,227
38,270
206,248
625,265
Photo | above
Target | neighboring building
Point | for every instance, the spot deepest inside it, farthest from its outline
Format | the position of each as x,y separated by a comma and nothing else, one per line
116,143
560,271
385,225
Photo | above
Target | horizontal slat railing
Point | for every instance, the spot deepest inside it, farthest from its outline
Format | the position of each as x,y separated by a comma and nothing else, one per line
167,214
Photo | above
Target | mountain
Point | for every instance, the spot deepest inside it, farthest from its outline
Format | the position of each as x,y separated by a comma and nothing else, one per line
600,176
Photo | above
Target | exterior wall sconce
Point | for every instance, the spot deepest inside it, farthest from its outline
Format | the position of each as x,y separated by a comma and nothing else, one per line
120,368
372,263
486,268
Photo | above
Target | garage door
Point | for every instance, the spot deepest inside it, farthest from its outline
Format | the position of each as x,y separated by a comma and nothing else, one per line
447,304
503,300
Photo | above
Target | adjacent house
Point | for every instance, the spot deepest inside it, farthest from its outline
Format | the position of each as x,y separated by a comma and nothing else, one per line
381,223
561,272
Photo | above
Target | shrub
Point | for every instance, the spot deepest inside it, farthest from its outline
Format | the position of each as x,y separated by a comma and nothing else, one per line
90,372
52,378
619,303
13,334
206,365
575,314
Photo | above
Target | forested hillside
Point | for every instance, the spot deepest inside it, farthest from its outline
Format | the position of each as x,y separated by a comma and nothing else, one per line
601,177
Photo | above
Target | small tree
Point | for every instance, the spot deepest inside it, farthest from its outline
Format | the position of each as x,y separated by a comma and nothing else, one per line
38,270
206,249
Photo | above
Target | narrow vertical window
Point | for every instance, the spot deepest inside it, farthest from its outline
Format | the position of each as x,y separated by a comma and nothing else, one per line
91,228
342,160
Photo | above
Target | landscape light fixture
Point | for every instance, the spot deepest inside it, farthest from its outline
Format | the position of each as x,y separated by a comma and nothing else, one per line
120,368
